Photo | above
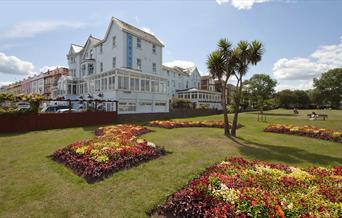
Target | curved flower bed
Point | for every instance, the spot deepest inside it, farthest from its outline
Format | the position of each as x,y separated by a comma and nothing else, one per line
309,131
114,148
179,124
242,188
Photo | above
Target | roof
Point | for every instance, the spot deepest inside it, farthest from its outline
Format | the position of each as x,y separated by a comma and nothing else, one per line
175,69
137,32
76,48
196,90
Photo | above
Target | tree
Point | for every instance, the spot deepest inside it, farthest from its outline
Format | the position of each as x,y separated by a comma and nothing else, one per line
261,88
330,86
286,98
220,67
302,99
246,54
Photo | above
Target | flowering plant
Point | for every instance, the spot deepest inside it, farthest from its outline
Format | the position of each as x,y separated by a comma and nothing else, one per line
242,188
179,124
113,148
309,131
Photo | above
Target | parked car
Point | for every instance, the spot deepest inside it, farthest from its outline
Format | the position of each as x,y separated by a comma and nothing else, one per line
53,108
23,105
66,111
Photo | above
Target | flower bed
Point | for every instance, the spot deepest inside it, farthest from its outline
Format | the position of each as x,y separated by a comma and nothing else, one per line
114,148
179,124
242,188
309,131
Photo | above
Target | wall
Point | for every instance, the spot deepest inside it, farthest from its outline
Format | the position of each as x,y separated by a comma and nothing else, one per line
31,122
138,118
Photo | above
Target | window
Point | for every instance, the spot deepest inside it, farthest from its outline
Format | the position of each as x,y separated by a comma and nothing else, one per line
154,67
145,85
83,69
160,104
127,106
123,82
104,84
114,41
101,67
91,86
145,103
138,43
90,69
101,48
91,53
111,82
134,84
153,49
97,85
154,86
139,63
114,62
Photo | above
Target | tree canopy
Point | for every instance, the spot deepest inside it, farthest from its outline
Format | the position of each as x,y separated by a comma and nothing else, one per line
260,87
330,87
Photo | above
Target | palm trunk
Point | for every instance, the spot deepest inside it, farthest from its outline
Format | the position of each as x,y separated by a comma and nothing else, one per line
237,106
224,110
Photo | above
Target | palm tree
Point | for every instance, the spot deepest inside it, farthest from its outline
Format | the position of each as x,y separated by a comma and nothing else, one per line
216,66
246,53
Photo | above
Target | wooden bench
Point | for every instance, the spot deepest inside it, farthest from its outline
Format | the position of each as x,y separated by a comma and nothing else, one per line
323,116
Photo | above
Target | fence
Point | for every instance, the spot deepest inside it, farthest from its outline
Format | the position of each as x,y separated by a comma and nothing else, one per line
21,122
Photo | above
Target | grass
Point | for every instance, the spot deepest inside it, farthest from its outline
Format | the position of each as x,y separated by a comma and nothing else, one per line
33,185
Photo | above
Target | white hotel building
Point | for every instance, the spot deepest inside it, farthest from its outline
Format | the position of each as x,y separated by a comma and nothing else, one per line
125,66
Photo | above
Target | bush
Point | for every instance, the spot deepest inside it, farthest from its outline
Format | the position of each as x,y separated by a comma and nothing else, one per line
179,103
33,99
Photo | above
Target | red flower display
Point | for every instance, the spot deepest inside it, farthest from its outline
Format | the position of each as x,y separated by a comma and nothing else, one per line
308,131
242,188
180,124
114,148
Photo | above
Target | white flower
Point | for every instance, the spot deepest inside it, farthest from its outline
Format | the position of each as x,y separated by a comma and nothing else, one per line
151,144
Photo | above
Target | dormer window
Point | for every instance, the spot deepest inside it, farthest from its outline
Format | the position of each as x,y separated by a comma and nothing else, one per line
138,43
153,49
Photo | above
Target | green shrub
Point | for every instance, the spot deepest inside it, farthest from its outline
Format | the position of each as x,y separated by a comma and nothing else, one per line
179,103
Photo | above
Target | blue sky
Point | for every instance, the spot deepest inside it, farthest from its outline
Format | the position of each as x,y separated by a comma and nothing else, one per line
302,38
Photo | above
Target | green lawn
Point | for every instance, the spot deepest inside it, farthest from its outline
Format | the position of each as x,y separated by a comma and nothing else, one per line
33,185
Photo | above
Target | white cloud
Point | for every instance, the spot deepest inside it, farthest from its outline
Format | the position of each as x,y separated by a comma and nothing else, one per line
148,30
3,83
297,69
242,4
298,73
180,63
32,28
14,66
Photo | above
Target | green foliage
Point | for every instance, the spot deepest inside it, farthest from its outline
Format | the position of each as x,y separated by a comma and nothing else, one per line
260,87
179,103
293,99
33,99
329,85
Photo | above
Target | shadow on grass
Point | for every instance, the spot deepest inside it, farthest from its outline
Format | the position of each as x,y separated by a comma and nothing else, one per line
284,154
276,114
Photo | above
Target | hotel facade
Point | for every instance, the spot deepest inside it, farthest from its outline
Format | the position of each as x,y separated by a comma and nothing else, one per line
124,66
